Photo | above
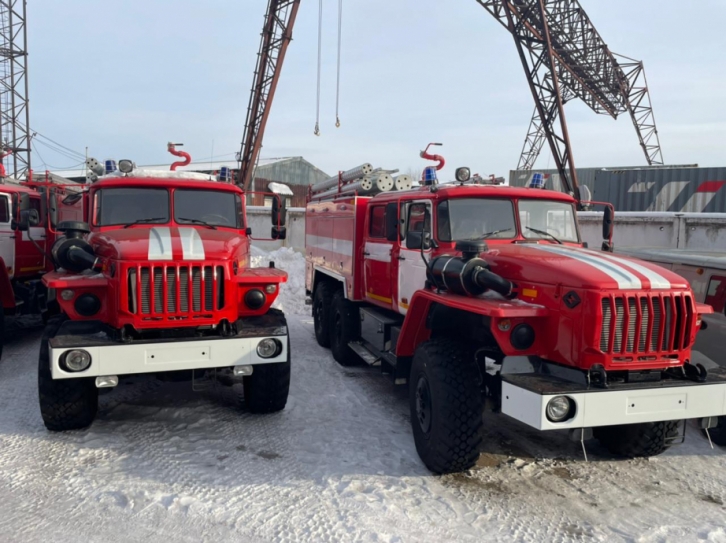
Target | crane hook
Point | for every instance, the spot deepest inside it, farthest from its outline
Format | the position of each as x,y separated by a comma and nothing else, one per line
337,122
317,129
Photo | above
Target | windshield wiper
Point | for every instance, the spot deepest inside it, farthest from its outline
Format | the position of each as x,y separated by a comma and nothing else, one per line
197,221
142,221
494,233
543,233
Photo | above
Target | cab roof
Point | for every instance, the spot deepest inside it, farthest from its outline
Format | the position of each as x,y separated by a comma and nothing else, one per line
164,182
449,191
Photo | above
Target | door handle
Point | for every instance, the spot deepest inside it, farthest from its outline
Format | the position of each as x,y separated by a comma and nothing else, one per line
366,253
401,258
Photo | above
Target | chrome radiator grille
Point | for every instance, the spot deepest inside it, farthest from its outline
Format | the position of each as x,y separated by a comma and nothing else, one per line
645,324
175,291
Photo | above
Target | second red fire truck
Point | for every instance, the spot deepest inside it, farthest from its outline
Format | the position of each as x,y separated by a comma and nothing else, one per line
473,293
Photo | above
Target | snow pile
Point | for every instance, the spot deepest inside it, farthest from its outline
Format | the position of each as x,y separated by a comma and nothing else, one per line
291,299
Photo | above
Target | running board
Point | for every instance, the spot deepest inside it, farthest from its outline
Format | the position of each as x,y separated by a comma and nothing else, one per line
367,356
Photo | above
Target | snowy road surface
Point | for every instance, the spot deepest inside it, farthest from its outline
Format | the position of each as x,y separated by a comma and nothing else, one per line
162,463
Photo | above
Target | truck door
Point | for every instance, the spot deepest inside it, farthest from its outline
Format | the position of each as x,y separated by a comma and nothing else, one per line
380,238
7,236
411,267
29,260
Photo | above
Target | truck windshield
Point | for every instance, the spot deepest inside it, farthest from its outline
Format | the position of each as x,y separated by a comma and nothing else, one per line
475,218
114,206
211,207
555,218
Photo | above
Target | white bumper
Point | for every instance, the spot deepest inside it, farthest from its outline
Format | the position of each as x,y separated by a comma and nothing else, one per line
129,359
614,407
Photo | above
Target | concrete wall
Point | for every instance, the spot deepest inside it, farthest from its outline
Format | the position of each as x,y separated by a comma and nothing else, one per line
706,231
260,220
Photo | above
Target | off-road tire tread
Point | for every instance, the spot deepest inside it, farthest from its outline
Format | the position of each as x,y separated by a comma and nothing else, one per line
267,389
638,440
457,407
350,321
323,291
65,404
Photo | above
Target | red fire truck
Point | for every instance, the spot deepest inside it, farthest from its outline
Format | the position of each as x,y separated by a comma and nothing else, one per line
23,242
472,293
158,281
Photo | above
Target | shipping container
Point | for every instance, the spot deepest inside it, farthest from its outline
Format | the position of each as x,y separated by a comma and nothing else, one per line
685,189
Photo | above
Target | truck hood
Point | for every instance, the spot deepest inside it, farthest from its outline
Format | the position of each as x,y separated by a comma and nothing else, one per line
176,243
576,267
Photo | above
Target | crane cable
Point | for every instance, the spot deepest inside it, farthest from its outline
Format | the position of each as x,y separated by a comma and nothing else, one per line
320,53
340,38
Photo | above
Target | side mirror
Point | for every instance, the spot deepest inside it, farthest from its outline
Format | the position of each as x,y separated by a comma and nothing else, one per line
279,212
279,233
418,240
607,247
27,218
607,223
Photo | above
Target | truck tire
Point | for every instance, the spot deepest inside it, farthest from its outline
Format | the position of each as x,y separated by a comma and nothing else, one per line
638,440
266,390
344,328
321,312
718,434
65,404
446,405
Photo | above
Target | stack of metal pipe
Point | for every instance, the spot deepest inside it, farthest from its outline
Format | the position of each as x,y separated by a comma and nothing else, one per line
363,181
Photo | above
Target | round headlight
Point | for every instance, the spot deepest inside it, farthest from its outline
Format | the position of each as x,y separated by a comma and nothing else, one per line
522,337
560,409
269,348
255,298
87,305
463,175
76,360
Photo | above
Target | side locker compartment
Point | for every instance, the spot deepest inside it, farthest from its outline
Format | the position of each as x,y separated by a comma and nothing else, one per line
380,333
343,231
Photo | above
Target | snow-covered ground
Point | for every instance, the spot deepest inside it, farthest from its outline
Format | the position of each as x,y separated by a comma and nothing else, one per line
338,464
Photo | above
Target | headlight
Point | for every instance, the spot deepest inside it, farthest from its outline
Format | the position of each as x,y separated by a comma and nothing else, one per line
560,409
87,305
76,360
271,289
255,298
67,294
463,175
269,348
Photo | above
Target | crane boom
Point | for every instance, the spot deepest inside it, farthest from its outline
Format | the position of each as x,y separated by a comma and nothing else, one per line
276,36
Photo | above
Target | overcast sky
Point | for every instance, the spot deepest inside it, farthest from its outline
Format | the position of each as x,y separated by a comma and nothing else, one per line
124,77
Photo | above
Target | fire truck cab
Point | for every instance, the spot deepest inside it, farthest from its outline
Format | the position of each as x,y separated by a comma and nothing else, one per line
486,293
158,281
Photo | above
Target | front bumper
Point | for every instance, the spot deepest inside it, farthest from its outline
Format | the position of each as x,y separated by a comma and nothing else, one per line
111,356
525,398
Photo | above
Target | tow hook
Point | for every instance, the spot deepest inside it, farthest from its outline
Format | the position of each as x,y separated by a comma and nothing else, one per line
597,376
695,373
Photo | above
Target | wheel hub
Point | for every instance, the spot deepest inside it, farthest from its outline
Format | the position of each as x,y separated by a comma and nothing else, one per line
423,404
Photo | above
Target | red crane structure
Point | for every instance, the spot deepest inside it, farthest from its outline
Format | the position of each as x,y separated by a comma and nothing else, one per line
276,36
564,57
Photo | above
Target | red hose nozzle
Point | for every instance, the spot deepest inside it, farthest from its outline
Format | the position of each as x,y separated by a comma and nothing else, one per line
171,147
425,154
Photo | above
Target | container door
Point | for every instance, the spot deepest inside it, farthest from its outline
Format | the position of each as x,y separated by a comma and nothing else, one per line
411,267
377,255
7,235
